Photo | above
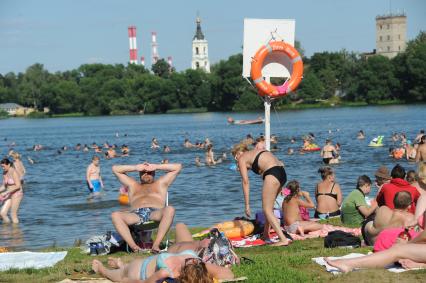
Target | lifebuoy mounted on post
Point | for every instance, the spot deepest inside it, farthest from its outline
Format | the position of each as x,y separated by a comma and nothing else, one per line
267,89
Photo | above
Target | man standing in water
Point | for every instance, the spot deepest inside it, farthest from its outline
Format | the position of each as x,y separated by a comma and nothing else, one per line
421,150
147,200
93,177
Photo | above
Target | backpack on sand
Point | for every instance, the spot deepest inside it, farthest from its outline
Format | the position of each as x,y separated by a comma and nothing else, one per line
341,239
219,251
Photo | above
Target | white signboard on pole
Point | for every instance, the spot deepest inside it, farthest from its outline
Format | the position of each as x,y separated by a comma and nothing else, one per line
258,32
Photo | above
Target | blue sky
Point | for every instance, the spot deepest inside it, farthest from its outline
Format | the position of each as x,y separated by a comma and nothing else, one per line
64,34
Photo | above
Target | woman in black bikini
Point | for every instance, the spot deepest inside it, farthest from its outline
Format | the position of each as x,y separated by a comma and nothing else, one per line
328,152
263,163
328,195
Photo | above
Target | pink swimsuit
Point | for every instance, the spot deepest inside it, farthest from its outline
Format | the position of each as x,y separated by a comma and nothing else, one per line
388,237
7,181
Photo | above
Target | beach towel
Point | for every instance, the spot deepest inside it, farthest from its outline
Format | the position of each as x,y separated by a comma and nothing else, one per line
255,240
103,280
29,260
335,271
86,280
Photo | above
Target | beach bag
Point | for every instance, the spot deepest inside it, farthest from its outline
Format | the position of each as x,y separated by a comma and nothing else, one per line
219,251
341,239
98,245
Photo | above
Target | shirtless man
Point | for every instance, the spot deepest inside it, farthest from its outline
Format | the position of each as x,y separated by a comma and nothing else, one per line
188,144
93,177
421,150
147,200
389,218
419,136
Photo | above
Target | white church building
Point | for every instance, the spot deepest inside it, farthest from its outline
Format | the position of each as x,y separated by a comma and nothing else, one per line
200,51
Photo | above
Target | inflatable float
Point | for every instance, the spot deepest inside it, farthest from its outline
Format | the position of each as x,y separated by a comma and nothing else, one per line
376,142
123,199
312,147
231,229
233,167
245,122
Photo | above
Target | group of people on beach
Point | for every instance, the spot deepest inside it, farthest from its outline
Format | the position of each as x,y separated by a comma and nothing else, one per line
390,221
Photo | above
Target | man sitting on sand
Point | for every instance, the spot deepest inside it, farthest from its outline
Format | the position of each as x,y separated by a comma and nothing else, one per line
397,184
354,206
388,218
147,200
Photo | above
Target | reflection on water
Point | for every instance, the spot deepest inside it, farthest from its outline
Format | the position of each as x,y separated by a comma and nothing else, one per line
55,206
11,236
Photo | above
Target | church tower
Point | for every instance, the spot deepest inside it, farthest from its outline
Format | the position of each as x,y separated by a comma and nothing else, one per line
200,52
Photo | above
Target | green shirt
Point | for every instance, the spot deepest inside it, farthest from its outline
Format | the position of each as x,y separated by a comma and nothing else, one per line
350,213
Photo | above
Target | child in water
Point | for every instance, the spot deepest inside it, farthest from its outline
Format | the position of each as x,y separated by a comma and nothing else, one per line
296,198
93,177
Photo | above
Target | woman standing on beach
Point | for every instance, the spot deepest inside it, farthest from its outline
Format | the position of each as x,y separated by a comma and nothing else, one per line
11,192
328,195
263,163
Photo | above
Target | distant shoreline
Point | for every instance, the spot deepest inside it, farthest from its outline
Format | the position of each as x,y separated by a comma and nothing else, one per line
325,105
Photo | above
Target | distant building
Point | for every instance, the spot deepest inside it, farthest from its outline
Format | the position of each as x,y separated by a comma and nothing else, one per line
391,32
15,109
200,52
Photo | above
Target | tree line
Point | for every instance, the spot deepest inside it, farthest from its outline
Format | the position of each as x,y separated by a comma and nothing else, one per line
100,89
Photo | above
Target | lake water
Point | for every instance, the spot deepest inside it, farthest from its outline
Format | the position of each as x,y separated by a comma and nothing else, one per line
55,209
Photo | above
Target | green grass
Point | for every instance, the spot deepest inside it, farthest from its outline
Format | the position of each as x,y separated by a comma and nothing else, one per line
272,264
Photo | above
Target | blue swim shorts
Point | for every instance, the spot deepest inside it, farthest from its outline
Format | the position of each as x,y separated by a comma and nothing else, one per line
144,214
96,186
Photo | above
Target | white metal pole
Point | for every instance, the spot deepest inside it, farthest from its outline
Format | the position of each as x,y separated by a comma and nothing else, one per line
267,104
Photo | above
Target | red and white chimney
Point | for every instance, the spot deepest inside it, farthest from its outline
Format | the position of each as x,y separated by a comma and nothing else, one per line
132,44
143,61
170,61
154,48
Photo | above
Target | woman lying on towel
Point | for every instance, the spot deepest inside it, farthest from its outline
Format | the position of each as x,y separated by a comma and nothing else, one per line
180,262
410,255
291,210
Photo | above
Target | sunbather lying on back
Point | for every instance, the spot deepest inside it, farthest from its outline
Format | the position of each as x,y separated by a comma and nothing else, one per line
409,255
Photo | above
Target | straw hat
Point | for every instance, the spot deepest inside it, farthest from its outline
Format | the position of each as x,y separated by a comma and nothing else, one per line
383,172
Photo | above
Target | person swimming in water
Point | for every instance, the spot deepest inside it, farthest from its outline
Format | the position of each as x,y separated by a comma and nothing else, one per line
93,177
154,144
188,144
166,149
328,153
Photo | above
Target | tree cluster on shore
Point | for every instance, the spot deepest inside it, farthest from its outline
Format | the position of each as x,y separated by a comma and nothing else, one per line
99,89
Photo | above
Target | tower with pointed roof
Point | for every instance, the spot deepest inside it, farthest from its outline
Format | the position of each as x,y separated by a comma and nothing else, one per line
200,51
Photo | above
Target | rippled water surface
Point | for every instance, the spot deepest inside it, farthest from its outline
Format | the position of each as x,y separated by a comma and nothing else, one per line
55,209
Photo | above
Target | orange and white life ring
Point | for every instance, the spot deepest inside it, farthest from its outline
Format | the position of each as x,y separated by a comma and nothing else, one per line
267,89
